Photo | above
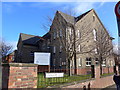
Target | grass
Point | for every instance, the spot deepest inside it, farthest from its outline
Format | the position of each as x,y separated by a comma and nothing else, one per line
45,82
107,74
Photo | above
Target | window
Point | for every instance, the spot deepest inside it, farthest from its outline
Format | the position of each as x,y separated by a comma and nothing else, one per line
93,17
13,58
60,48
63,63
78,34
79,62
96,61
54,49
31,53
69,30
79,48
54,35
88,61
95,50
60,33
104,62
95,35
111,63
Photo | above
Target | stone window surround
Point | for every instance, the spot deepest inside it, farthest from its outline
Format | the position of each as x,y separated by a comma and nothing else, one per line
79,61
88,61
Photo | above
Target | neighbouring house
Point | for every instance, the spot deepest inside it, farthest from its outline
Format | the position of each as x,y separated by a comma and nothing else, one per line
27,45
10,57
75,43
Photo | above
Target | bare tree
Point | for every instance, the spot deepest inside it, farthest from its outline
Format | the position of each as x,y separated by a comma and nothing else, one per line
66,34
103,46
5,49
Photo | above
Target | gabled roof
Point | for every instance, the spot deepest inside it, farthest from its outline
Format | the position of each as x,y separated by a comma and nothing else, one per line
71,19
79,17
30,39
47,36
68,18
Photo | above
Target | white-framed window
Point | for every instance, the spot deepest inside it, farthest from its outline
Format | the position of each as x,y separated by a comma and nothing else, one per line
104,62
63,63
60,48
78,34
111,63
54,35
60,32
79,62
95,35
88,61
96,61
79,48
95,50
54,49
69,30
93,17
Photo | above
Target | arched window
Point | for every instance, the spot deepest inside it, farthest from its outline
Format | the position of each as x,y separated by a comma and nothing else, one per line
93,17
95,35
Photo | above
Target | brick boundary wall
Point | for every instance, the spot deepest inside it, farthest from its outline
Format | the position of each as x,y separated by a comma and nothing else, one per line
107,69
97,82
19,75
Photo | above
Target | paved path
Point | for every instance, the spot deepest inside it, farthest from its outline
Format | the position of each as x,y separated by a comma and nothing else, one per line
113,87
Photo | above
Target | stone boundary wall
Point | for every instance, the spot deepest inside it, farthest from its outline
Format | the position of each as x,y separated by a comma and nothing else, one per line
19,75
94,83
97,82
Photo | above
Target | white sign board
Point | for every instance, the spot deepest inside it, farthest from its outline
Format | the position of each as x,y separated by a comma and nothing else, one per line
53,75
41,58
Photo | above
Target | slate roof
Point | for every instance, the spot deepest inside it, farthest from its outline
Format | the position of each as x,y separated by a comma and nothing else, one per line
68,18
30,39
71,19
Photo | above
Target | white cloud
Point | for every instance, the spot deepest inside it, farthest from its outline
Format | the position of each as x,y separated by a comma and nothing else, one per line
116,49
83,7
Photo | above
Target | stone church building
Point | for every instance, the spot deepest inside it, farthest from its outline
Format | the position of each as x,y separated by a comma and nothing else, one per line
75,43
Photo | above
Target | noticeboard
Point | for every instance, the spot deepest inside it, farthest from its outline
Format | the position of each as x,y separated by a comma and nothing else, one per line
41,58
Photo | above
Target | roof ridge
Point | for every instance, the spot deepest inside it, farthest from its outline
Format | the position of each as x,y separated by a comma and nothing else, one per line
27,34
82,15
65,13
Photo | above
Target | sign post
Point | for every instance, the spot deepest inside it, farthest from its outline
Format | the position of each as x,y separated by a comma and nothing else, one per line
117,12
43,61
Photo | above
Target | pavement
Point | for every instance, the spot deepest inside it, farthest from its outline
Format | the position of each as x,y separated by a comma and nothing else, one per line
113,87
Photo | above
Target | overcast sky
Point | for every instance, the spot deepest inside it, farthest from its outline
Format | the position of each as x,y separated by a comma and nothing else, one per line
28,17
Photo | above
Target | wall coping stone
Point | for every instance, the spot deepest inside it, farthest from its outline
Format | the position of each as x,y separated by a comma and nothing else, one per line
106,76
72,83
19,64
